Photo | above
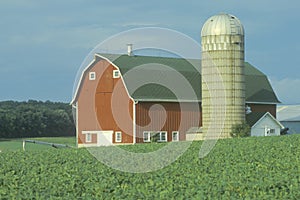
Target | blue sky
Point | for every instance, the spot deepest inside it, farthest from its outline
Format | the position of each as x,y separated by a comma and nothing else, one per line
43,43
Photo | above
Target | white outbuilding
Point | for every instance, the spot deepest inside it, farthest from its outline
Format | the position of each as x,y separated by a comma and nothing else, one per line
263,124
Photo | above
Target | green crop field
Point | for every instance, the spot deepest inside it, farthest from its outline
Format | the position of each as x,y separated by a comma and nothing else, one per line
247,168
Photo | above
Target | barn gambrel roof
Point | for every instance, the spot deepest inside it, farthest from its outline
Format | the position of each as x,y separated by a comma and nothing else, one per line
135,69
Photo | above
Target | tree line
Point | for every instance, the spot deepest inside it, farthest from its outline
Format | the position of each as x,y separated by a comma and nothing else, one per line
35,119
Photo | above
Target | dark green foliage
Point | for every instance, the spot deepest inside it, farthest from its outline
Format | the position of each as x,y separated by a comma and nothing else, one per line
240,130
35,119
248,168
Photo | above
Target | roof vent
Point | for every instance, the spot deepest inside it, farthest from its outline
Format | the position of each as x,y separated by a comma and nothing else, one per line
129,49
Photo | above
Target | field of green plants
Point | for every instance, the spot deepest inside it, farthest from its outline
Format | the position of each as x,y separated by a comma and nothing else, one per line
240,168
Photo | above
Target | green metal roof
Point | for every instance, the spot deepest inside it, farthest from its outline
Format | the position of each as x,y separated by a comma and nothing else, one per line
151,73
253,117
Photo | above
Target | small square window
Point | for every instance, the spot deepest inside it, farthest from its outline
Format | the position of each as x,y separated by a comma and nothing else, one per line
175,136
118,136
269,131
88,137
116,74
92,76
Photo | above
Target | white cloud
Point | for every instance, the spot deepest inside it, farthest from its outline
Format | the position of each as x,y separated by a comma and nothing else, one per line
287,90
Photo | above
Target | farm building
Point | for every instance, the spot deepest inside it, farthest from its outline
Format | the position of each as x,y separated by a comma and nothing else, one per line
289,116
263,124
128,99
106,100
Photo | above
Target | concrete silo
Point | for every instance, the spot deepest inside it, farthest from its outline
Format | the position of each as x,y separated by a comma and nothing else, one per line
223,81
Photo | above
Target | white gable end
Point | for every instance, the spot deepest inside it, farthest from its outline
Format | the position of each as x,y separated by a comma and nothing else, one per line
266,126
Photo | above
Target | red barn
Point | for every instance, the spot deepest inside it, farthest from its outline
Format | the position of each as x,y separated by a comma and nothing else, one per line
123,99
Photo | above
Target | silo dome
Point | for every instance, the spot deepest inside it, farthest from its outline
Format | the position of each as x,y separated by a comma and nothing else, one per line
222,24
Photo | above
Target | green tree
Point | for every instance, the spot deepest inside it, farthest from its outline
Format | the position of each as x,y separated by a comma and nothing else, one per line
240,130
35,119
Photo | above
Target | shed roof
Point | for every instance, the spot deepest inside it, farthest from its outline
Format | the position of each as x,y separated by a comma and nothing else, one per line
159,77
253,118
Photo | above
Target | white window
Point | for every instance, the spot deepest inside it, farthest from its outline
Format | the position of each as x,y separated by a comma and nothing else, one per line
162,136
116,74
92,76
146,136
269,131
118,136
175,136
88,137
155,136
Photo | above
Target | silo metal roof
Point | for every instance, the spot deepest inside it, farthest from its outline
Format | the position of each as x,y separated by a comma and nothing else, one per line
222,24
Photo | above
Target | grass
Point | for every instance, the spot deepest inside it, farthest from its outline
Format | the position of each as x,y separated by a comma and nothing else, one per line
17,144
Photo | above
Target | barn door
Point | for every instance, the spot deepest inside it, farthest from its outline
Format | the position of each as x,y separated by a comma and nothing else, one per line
104,138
